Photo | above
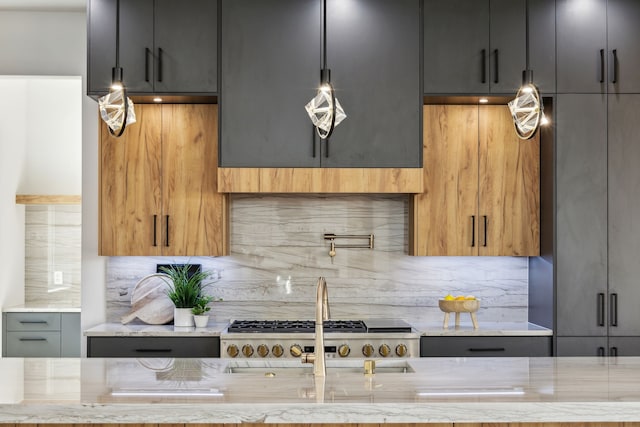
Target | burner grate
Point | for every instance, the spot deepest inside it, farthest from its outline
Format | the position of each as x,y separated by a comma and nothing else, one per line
286,326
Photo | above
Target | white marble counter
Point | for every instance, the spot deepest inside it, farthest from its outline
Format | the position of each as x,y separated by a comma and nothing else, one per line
41,308
484,329
434,390
140,330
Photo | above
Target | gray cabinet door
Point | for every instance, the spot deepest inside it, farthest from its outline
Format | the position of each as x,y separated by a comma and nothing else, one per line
70,335
456,46
373,51
581,217
581,346
542,44
136,44
270,69
624,346
186,46
508,45
624,211
581,46
101,45
623,29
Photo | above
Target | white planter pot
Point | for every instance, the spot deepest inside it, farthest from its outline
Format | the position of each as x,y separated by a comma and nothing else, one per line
182,317
201,320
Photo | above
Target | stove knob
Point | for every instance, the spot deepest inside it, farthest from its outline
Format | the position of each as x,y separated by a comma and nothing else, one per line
247,350
295,350
367,350
232,350
277,350
344,350
384,350
401,350
263,350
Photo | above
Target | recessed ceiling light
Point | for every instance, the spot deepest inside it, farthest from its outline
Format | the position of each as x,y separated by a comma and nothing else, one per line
483,100
157,99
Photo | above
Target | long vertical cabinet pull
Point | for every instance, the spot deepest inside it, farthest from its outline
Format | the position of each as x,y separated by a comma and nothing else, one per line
484,220
313,141
484,65
497,66
613,309
326,147
159,64
473,231
147,53
601,65
155,230
614,78
601,309
167,230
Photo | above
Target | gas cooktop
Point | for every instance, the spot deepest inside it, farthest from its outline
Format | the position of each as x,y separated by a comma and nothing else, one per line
270,326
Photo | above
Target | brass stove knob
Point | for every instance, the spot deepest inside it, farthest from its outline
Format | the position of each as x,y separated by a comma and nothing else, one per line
232,350
295,350
384,350
401,350
263,350
344,350
367,350
247,350
277,350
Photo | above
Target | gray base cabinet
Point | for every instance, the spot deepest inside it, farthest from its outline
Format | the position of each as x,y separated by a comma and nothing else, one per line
491,346
41,335
153,346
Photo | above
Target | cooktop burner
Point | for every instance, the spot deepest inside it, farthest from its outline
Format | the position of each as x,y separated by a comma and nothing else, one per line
296,326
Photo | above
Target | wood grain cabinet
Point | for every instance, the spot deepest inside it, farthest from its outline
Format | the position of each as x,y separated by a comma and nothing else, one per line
482,185
158,184
373,52
597,46
166,46
482,47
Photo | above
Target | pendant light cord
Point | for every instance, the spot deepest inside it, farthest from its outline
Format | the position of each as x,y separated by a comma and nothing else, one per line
118,34
324,35
526,31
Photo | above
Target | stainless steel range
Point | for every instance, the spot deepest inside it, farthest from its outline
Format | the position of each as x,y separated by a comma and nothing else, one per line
342,338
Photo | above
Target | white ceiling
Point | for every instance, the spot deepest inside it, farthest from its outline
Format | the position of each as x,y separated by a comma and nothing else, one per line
50,5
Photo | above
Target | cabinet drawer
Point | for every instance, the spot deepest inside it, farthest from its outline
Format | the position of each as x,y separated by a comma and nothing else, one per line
153,347
33,321
485,346
33,344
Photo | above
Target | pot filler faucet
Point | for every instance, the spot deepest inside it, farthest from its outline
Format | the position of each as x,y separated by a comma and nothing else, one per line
322,314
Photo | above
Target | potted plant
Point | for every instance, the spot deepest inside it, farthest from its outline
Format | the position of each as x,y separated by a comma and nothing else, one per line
200,310
184,291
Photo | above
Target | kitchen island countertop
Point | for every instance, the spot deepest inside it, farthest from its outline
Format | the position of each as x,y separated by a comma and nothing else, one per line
73,391
144,330
434,329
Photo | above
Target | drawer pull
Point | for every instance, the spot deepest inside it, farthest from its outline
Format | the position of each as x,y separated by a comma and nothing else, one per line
33,339
487,349
34,322
153,350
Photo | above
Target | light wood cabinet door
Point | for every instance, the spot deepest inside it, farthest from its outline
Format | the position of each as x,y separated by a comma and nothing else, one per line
482,185
158,185
130,186
509,187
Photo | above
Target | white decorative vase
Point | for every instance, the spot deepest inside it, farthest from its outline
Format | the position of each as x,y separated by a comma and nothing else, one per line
182,317
201,320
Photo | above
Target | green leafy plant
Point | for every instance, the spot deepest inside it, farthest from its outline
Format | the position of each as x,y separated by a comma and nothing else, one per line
202,306
184,286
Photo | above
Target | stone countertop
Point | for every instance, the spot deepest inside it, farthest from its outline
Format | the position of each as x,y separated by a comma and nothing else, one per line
41,308
138,330
484,329
489,390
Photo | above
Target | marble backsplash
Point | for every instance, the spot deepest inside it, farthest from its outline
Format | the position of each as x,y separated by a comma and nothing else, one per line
53,244
278,252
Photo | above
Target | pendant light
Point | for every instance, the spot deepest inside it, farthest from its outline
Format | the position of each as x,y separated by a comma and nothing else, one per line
116,109
324,109
526,108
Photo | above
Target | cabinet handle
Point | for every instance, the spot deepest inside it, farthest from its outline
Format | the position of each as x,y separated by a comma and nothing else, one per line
326,148
601,65
495,52
473,231
33,339
34,322
313,141
486,349
167,230
155,230
146,63
613,309
601,309
601,351
153,350
614,79
484,66
484,220
613,351
159,64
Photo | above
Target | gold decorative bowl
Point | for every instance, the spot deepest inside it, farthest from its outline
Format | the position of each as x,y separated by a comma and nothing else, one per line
459,306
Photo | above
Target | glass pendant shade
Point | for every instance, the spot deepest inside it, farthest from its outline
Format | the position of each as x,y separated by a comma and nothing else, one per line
325,111
526,108
113,112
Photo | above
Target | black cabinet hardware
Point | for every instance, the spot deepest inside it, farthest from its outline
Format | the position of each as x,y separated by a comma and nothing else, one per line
155,230
484,219
167,230
484,66
487,349
601,309
153,350
601,351
33,339
34,322
160,64
613,351
147,52
613,309
601,65
497,66
614,78
473,231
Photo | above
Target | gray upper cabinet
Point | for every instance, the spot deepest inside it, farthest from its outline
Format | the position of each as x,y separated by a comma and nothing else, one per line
165,46
597,46
482,47
270,69
581,217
